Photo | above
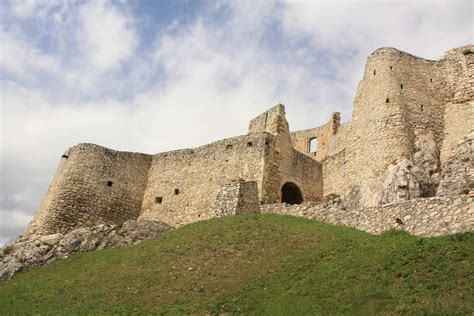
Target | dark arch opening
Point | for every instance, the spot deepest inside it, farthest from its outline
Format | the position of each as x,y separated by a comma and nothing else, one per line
291,194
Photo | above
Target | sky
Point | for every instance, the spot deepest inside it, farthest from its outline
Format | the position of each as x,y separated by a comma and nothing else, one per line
156,75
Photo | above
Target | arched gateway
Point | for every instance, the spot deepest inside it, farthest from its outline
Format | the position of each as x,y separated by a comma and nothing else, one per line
291,194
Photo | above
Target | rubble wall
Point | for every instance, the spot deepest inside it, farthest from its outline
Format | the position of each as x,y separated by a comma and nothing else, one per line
434,216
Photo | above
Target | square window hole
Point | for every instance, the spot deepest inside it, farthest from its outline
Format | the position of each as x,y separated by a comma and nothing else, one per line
249,144
109,183
158,200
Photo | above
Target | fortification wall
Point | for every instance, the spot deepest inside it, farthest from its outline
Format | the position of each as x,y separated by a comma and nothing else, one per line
93,185
458,118
423,217
410,136
183,184
400,99
301,140
398,117
237,197
284,164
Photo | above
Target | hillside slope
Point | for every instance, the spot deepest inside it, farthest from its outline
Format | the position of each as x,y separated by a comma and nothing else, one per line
257,264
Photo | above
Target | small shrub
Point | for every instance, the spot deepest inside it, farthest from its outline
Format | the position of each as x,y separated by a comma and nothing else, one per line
462,236
7,250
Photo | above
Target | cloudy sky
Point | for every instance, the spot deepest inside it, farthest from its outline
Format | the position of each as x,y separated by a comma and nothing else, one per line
152,76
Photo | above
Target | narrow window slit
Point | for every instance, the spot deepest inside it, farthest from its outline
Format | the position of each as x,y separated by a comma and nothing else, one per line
176,191
387,100
65,156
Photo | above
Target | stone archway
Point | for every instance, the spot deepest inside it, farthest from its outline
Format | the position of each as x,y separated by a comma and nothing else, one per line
291,194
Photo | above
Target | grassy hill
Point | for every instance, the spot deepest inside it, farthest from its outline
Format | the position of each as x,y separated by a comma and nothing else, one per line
257,264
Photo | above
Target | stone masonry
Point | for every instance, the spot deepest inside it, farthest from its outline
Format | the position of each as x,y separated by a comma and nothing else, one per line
237,198
404,161
433,216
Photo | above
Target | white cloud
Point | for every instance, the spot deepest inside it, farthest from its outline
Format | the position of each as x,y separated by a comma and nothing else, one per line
421,27
106,35
34,8
23,60
12,223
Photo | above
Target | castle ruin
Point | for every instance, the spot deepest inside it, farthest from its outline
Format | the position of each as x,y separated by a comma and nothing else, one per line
410,140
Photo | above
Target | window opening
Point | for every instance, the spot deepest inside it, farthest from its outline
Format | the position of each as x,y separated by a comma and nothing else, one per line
313,145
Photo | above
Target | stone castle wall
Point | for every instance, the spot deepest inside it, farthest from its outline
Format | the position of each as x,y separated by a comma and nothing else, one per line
186,182
459,112
92,185
422,217
409,115
283,163
301,140
410,137
237,197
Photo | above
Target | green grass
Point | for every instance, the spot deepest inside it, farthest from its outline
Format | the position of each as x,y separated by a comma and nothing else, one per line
256,264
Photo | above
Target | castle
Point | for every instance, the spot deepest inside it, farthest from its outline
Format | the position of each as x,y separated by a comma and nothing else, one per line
410,139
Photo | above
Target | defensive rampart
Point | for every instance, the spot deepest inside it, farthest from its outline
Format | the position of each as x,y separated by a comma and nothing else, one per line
92,185
423,217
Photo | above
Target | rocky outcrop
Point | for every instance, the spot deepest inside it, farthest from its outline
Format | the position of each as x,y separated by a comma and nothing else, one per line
413,178
400,183
426,164
38,250
457,175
